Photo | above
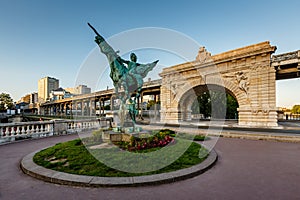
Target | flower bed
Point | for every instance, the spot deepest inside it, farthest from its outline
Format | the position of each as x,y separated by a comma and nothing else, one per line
74,157
148,141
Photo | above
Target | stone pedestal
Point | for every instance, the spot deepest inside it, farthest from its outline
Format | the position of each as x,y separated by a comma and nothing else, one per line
119,134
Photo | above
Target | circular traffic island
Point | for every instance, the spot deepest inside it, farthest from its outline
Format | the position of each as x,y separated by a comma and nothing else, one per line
160,157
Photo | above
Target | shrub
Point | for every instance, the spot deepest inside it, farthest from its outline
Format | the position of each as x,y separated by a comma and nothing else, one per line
200,138
97,135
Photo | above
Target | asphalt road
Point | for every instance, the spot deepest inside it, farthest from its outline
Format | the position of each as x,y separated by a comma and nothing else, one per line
246,169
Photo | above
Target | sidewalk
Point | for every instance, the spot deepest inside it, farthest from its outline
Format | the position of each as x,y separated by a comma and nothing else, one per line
246,169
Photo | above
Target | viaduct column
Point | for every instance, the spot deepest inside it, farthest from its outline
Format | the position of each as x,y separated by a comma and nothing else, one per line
169,112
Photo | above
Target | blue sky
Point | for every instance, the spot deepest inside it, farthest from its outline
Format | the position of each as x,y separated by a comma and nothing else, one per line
50,38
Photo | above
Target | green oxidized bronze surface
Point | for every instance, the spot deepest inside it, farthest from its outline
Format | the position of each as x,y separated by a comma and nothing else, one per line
126,74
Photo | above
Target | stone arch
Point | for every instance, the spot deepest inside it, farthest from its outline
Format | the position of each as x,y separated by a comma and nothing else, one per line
235,70
229,86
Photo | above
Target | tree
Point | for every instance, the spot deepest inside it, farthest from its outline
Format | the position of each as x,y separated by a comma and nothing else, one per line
6,102
296,109
203,105
218,102
232,105
107,107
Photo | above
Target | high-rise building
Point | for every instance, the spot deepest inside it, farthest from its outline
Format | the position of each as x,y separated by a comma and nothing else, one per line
45,86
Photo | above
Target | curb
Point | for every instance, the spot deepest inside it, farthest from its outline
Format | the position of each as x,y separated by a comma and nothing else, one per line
279,135
233,128
267,137
30,168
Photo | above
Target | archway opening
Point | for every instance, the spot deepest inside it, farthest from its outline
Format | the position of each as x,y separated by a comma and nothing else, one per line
205,102
201,107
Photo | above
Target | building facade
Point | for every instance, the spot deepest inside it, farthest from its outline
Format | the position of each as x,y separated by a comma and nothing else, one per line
33,98
25,99
45,86
83,89
59,94
80,89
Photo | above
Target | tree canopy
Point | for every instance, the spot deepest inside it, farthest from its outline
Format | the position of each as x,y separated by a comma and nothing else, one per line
6,102
296,109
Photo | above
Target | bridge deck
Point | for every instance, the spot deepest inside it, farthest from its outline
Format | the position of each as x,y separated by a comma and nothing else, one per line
287,65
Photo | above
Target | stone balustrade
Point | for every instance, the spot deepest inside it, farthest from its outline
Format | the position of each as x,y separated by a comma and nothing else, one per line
293,117
23,130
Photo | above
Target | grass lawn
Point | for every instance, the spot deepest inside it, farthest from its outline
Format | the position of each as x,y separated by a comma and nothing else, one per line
73,157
